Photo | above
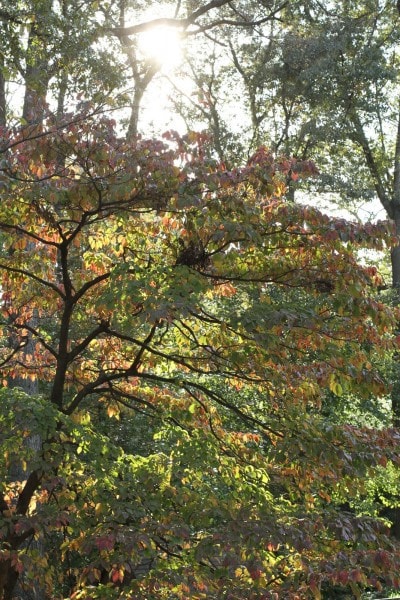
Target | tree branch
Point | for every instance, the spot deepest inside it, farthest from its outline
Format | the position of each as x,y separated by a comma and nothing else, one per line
26,495
169,22
360,138
30,275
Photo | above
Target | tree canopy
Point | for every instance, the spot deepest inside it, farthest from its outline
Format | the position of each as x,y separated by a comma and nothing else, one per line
181,342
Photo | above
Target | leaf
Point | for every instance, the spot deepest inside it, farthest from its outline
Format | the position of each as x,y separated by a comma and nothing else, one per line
335,386
104,543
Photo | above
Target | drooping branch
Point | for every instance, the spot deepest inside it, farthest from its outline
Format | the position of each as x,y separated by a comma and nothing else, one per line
35,332
32,132
33,277
219,399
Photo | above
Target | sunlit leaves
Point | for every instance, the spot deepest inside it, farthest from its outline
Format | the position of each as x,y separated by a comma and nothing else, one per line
185,324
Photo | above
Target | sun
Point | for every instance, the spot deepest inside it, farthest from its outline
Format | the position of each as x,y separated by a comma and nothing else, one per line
163,45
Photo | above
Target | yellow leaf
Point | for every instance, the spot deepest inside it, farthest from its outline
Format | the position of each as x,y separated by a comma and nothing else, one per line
239,572
113,411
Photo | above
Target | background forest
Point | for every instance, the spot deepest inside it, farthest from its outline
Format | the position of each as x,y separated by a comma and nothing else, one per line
200,280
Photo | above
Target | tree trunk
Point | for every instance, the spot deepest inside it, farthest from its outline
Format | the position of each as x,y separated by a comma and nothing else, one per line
395,259
134,116
8,580
37,78
3,115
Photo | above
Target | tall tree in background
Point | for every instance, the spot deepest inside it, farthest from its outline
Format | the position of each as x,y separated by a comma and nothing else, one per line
148,281
56,50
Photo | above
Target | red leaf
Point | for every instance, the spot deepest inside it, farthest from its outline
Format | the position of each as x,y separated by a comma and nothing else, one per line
105,543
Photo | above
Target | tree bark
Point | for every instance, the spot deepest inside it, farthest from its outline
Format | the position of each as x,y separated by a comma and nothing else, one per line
37,77
9,574
395,261
3,114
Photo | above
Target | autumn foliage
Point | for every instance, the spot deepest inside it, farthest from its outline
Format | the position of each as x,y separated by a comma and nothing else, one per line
184,325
